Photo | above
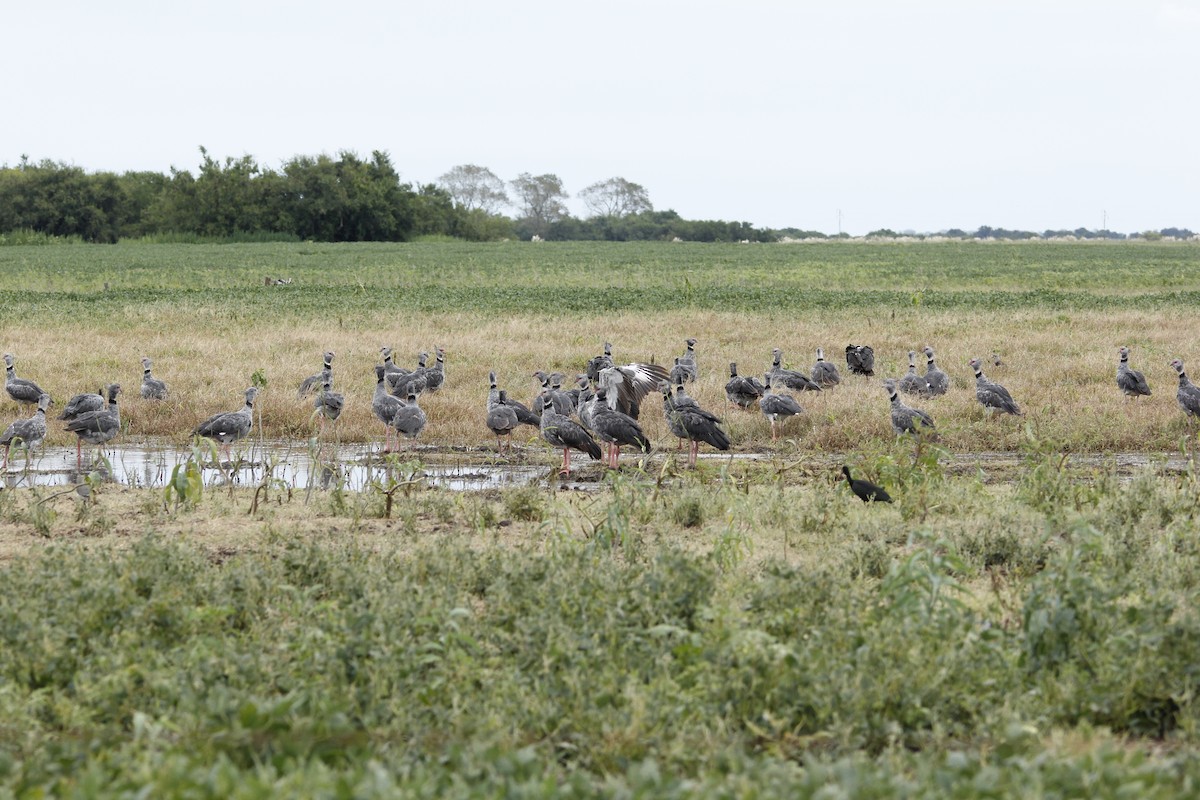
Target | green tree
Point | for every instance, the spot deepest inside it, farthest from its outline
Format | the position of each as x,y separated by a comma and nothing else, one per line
540,199
616,197
474,188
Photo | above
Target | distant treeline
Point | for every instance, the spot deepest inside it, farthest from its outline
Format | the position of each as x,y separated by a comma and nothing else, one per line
320,198
351,199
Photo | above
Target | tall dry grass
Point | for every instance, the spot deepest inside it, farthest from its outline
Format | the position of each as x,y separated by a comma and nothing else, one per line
1059,366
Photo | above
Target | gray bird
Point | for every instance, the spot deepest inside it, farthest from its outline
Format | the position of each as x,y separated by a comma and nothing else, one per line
679,373
524,415
1188,394
741,390
21,389
825,373
414,382
687,362
990,394
938,381
587,403
328,403
905,419
152,387
410,418
28,432
562,431
96,427
674,419
502,419
550,390
83,403
617,429
436,375
860,359
790,378
912,383
389,366
696,424
315,382
385,406
231,426
625,386
1131,382
774,406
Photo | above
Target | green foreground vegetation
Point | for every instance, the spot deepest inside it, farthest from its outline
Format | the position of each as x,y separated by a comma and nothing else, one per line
724,632
702,635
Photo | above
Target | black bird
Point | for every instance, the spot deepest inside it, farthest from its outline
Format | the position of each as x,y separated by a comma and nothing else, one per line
860,359
865,490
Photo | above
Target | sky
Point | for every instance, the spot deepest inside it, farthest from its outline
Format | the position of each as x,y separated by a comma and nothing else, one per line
850,115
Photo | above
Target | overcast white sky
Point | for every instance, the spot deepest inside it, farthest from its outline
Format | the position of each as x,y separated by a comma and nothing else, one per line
923,115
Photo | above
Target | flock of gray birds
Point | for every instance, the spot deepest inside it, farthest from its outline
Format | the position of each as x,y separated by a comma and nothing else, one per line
605,404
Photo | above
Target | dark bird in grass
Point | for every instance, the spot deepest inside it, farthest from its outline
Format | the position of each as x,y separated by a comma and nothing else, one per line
865,490
328,403
790,378
860,359
991,395
825,372
1131,382
774,406
688,420
616,429
314,382
741,390
21,389
562,431
1188,394
152,387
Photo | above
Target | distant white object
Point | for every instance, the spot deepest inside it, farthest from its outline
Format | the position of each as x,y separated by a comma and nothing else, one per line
677,239
535,238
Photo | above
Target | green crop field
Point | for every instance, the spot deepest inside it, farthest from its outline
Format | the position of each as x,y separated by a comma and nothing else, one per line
1020,622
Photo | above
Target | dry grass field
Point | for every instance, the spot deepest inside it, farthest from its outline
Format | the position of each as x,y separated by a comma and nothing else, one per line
517,308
